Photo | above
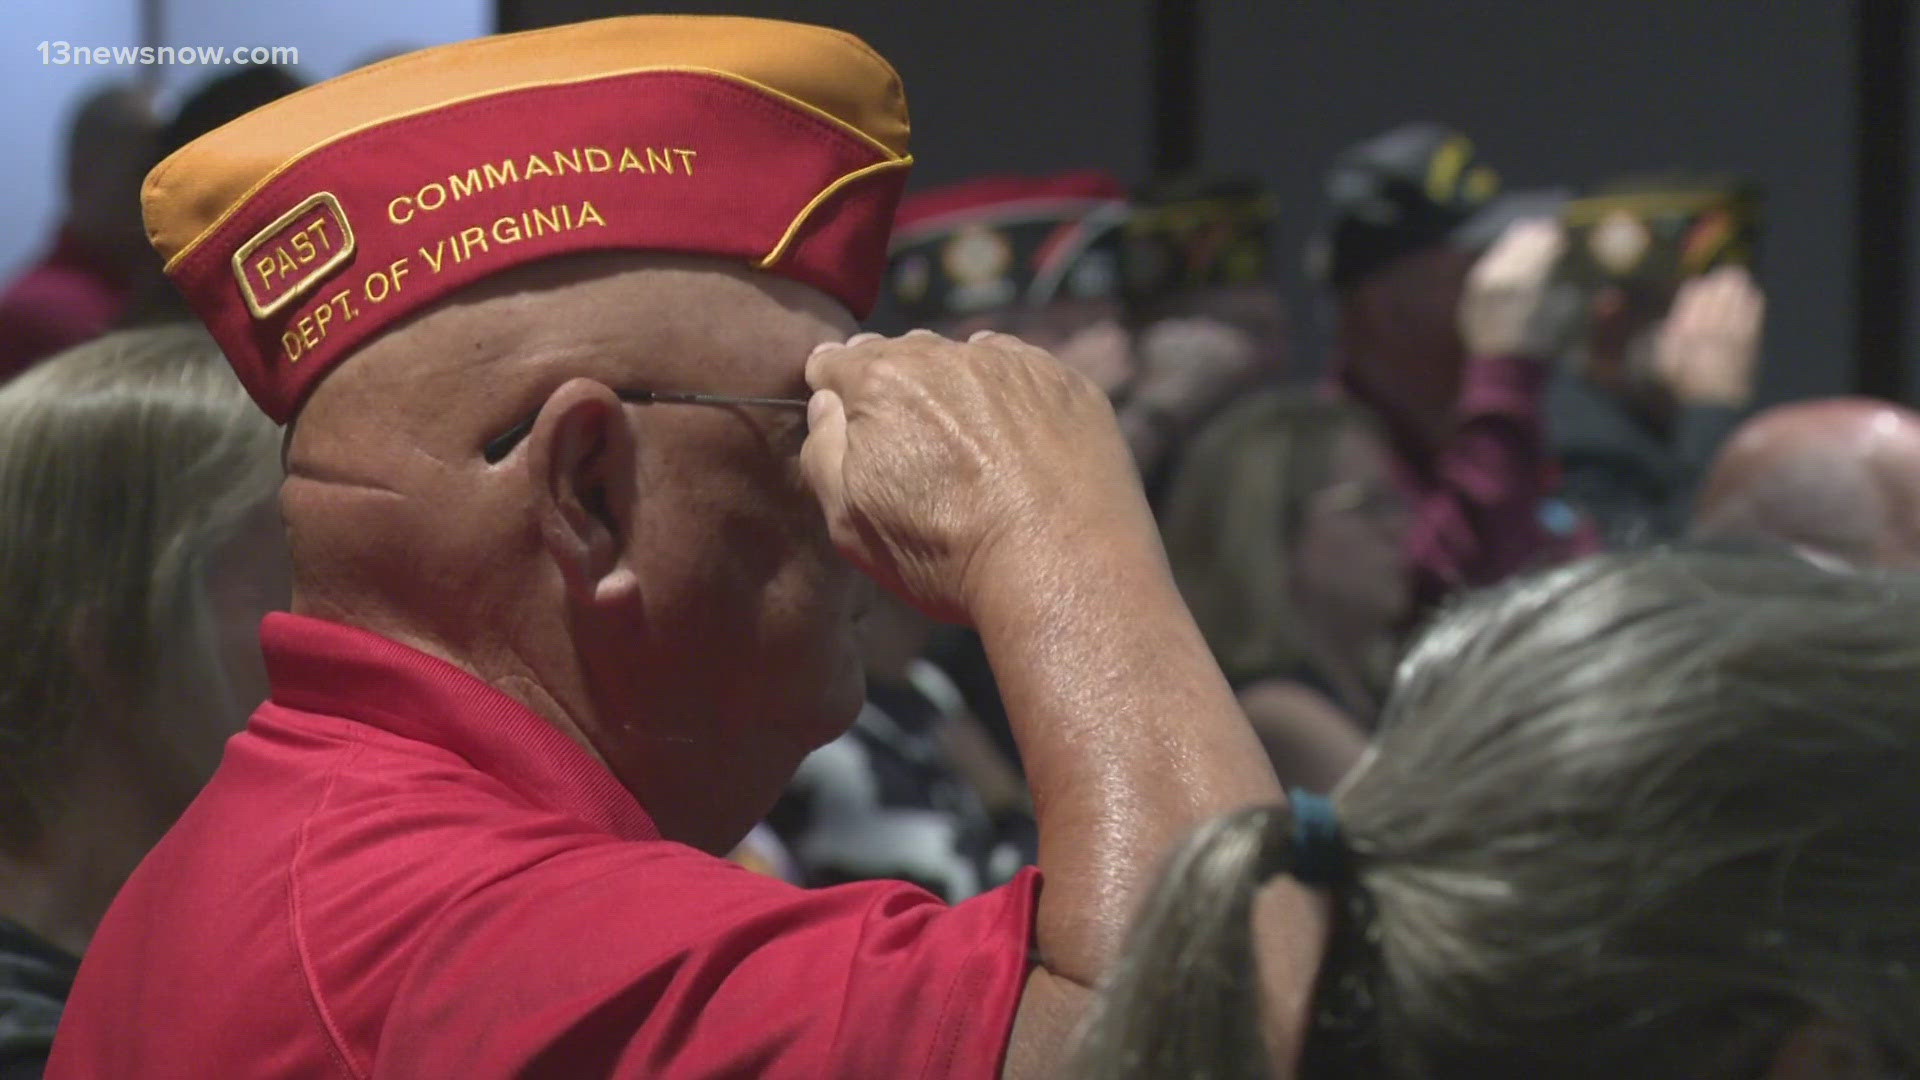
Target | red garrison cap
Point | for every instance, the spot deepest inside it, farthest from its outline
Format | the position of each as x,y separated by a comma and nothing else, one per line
1006,240
307,226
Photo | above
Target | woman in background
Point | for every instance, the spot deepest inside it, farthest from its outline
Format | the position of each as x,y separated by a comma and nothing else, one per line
1286,535
140,544
1649,816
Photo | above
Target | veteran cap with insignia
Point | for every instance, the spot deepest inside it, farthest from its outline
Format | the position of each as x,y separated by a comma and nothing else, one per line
1415,186
1650,233
1199,232
1006,241
305,227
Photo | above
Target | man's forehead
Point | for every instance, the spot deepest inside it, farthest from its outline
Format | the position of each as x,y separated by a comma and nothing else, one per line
691,323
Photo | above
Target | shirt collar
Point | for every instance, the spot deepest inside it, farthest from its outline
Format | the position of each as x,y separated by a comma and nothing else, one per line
334,670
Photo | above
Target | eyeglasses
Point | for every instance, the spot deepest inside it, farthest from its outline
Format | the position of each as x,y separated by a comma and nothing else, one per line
502,444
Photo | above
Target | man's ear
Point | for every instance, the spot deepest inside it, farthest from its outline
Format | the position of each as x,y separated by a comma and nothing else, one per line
1824,1050
581,456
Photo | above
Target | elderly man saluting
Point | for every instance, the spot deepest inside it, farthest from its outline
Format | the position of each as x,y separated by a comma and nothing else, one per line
568,610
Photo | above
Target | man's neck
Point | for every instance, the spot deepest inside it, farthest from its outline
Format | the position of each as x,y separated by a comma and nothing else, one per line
696,791
691,796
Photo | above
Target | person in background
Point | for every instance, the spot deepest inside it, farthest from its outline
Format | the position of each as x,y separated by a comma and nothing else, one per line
1038,257
139,547
81,284
226,97
1064,262
1445,330
1836,480
902,795
1652,815
1664,365
1205,306
1287,534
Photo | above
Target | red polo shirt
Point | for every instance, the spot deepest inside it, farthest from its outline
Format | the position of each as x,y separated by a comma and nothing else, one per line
399,871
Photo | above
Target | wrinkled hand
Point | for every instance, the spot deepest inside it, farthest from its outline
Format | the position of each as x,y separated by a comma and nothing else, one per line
1191,364
944,466
1710,345
1512,304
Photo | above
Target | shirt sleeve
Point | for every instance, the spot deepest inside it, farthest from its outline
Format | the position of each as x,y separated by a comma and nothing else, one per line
654,960
1479,519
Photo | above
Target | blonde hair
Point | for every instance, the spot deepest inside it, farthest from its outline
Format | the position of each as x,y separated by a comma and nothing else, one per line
124,464
1234,510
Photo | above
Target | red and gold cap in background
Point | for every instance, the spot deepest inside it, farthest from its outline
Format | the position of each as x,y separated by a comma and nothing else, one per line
1006,241
1651,233
302,229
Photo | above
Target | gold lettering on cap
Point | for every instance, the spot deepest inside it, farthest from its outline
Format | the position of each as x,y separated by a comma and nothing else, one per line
475,241
486,176
288,257
310,330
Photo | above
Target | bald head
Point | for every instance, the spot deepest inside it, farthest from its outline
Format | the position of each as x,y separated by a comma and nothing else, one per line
1838,477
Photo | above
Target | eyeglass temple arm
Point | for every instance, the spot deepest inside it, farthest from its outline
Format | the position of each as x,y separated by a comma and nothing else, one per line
497,448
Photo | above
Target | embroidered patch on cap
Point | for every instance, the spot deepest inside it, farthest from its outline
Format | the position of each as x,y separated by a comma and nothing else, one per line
293,254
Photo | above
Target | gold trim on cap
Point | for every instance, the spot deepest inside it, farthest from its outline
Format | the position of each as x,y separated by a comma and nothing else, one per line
793,227
164,169
1590,209
334,261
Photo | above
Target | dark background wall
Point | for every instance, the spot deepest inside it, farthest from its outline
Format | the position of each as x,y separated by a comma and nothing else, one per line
1556,92
993,85
1565,92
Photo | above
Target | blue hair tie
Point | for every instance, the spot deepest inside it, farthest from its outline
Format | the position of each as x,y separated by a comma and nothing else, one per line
1319,856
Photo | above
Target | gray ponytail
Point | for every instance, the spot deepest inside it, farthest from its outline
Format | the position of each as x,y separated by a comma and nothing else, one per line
1183,1000
1647,816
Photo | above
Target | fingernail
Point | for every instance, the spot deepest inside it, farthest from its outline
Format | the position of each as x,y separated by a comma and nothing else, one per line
816,407
824,346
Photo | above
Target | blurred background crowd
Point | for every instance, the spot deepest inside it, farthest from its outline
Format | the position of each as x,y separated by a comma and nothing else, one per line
1495,369
1391,303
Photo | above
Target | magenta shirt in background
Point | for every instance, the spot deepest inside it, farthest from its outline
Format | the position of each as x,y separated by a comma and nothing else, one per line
1483,507
68,297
